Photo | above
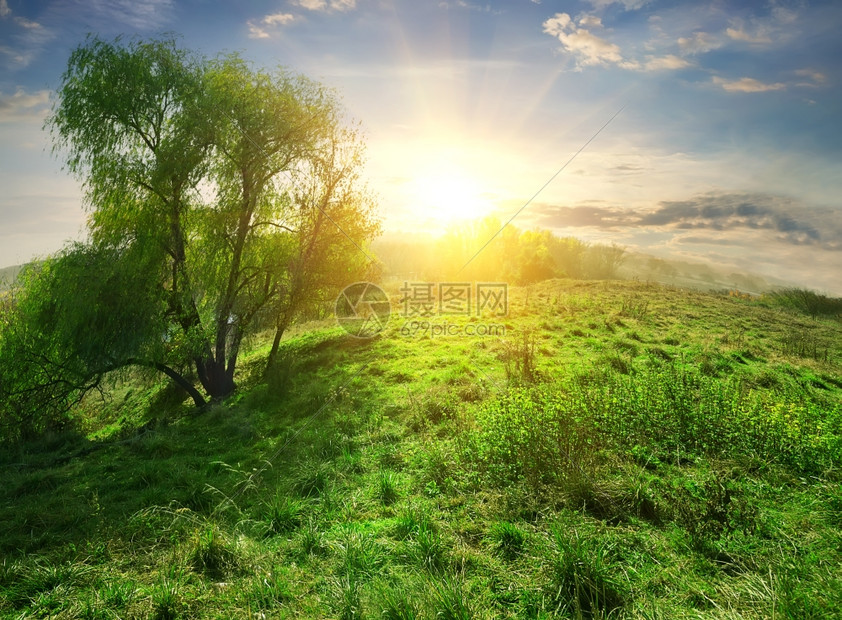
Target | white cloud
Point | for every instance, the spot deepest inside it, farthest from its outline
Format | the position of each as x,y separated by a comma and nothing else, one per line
26,23
815,77
260,30
586,47
747,85
668,62
698,43
740,34
590,50
147,15
24,106
629,5
5,11
590,21
278,19
326,5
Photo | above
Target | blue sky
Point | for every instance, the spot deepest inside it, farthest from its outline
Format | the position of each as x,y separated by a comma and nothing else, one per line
728,149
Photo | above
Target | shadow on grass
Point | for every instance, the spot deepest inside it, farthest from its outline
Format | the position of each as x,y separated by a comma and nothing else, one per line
63,491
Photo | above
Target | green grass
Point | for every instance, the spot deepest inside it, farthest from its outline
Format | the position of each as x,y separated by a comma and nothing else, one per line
625,450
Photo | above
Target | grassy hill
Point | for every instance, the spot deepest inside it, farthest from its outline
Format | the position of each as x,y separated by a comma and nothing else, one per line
8,275
623,450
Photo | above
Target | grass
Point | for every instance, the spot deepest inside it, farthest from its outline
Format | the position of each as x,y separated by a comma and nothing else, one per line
626,450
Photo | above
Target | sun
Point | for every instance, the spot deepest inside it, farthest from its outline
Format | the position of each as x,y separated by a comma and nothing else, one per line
447,194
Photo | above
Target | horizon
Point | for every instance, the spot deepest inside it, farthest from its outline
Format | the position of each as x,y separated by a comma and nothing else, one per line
727,151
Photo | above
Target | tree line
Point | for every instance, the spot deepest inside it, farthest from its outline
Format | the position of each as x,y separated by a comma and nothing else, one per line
484,250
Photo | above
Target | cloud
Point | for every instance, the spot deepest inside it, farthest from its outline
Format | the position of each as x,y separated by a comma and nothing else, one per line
5,11
147,15
259,30
24,106
790,221
815,78
26,23
628,5
590,21
586,47
698,43
747,85
669,61
591,50
326,5
738,34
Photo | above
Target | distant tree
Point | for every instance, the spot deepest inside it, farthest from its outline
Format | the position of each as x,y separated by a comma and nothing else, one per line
535,263
237,191
603,261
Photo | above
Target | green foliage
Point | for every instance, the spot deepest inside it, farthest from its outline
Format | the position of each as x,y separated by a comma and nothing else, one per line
166,597
175,277
283,514
387,487
213,554
507,538
534,435
68,326
450,600
809,302
583,579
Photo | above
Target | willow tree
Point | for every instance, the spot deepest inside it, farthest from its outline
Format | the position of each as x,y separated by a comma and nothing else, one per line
246,182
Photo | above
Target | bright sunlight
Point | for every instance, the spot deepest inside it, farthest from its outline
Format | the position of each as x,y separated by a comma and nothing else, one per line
446,194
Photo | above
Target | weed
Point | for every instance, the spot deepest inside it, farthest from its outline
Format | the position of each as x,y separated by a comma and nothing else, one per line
387,487
427,549
519,358
118,594
283,514
634,307
584,581
361,554
396,604
270,590
412,520
312,540
507,538
311,478
212,553
450,600
166,597
346,595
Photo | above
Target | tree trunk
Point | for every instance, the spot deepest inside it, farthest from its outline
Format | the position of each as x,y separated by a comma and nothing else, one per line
273,353
177,377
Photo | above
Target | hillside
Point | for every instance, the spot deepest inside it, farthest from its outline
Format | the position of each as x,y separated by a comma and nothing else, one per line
615,449
8,275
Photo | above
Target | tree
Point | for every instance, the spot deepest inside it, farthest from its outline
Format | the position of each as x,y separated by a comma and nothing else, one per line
239,188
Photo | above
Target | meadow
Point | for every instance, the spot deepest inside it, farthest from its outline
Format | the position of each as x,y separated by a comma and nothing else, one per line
623,450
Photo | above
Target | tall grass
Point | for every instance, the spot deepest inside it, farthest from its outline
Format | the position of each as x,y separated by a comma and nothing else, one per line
554,433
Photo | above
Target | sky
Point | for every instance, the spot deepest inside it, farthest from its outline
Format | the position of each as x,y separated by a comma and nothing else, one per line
711,130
